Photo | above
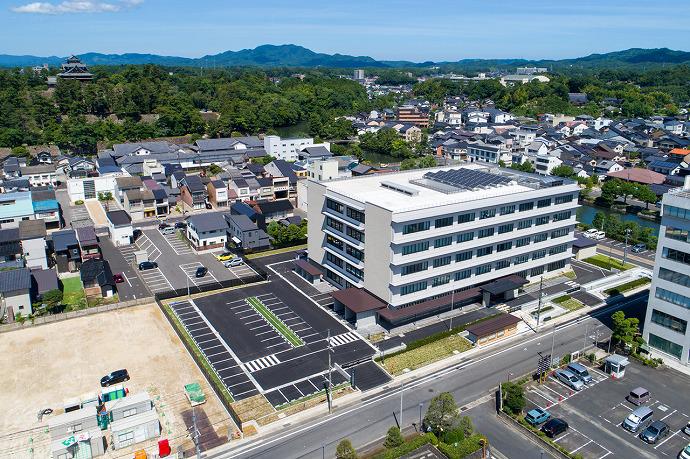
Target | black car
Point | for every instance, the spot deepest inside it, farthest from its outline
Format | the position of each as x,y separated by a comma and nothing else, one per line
655,432
115,377
162,225
144,265
180,225
201,271
209,206
554,426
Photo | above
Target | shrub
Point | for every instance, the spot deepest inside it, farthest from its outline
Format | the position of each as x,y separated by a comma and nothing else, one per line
394,438
513,398
345,450
78,202
408,446
463,449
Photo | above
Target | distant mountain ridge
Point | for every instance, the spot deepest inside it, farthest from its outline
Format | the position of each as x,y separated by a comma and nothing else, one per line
298,56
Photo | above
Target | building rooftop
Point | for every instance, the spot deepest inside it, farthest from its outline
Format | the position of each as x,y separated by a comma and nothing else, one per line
15,279
32,229
424,188
119,218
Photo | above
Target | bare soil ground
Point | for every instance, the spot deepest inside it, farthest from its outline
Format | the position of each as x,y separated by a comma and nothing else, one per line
44,365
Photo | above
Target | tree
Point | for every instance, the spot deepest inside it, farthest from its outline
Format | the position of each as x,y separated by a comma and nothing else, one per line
627,189
563,171
624,329
645,194
345,450
442,413
426,161
407,164
394,438
610,190
215,169
52,299
513,397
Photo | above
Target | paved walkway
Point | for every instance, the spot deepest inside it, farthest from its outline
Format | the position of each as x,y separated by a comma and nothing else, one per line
96,213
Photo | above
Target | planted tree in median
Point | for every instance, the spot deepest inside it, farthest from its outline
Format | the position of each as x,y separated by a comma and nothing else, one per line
626,330
345,450
443,413
513,397
394,438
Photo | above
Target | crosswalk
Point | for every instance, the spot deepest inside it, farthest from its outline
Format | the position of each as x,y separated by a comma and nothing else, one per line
340,340
571,284
260,364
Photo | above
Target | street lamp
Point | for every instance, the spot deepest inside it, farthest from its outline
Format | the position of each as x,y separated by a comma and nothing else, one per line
420,416
625,248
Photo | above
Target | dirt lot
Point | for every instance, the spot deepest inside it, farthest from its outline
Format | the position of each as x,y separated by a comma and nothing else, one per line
44,365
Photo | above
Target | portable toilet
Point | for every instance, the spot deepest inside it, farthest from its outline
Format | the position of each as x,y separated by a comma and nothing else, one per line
615,365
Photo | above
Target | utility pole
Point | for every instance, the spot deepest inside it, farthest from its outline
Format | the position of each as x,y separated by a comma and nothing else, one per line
195,435
625,247
541,285
402,387
553,344
330,368
452,303
584,344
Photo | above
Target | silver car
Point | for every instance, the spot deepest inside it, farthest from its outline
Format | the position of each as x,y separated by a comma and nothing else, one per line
569,379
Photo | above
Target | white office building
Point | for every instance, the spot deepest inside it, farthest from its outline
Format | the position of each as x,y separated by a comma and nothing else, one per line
412,237
288,149
668,312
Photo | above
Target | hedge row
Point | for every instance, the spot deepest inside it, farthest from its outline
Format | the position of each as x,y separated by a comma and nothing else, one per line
463,449
627,286
408,446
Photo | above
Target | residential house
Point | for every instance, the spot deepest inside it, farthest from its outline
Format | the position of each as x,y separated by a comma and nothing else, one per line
207,231
41,175
120,227
193,192
81,189
10,246
606,167
545,164
11,167
140,203
14,184
15,207
176,179
124,184
217,193
66,251
33,236
279,168
88,243
15,293
244,234
637,175
239,189
272,211
162,205
42,282
46,207
97,278
314,153
287,149
77,166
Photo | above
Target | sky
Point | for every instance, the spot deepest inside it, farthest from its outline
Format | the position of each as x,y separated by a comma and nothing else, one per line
437,30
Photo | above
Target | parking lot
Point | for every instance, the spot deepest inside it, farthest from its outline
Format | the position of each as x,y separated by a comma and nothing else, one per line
178,263
270,339
595,414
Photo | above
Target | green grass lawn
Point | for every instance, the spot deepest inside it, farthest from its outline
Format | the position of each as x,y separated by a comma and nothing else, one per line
425,354
278,324
568,302
605,262
73,294
627,286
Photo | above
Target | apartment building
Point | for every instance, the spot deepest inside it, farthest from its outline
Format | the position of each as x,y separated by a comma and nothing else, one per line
413,115
411,238
668,312
289,149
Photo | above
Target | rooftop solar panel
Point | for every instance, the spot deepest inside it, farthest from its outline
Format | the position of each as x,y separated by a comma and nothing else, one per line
469,179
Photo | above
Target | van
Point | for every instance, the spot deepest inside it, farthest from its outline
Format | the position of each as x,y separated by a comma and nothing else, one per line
638,396
590,232
580,371
168,230
639,418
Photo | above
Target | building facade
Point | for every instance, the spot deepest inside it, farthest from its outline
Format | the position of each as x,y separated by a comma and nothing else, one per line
668,312
418,235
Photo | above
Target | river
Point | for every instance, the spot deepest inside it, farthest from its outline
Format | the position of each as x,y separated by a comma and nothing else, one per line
586,213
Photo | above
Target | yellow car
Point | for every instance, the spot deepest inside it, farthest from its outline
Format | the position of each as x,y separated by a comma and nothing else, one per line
225,256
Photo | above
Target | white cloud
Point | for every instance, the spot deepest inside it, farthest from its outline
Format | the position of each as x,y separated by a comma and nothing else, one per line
76,6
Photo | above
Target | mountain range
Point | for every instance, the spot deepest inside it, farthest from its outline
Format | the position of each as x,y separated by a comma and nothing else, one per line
298,56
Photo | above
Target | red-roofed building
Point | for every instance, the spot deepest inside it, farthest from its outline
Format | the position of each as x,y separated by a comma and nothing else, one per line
637,175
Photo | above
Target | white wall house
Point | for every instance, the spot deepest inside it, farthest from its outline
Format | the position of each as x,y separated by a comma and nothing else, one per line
81,189
120,227
288,149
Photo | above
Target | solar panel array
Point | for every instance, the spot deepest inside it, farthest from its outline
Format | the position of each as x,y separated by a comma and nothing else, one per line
468,179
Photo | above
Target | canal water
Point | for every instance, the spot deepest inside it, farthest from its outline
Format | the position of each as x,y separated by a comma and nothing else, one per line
586,213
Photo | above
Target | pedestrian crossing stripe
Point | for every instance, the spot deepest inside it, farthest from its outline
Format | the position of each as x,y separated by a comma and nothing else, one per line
261,363
345,338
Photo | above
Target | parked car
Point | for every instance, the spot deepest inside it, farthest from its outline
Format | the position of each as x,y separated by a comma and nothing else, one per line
163,225
655,432
225,256
237,261
181,225
590,232
168,230
640,247
569,379
144,265
201,271
638,396
537,416
554,426
686,429
599,235
115,377
685,454
118,278
136,234
580,371
638,419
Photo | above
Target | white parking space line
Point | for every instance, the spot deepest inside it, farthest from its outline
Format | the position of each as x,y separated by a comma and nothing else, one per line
580,447
668,438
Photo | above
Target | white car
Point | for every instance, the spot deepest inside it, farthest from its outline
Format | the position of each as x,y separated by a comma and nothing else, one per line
237,261
599,235
685,454
569,379
590,233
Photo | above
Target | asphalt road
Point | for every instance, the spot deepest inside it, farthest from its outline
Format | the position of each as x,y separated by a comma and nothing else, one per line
368,420
133,287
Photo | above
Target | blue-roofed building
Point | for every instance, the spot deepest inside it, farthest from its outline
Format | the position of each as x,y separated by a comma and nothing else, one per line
15,292
15,207
240,208
664,167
